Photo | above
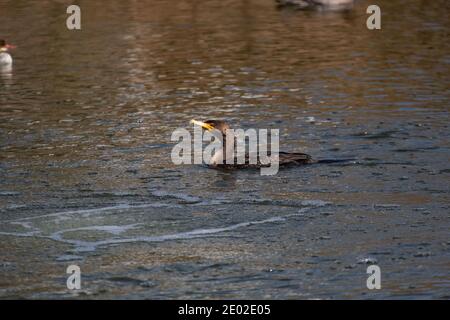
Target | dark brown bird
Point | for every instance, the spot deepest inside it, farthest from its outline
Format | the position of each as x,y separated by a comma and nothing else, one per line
217,160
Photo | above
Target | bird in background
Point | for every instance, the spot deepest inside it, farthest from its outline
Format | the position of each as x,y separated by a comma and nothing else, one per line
5,57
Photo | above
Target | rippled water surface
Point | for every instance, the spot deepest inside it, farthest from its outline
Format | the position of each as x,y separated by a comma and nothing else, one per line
86,176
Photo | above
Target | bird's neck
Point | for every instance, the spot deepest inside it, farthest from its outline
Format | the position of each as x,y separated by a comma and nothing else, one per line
226,152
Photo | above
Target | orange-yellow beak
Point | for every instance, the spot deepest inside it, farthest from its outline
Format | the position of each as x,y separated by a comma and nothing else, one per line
202,124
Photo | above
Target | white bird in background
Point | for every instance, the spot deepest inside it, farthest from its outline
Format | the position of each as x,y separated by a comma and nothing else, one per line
5,57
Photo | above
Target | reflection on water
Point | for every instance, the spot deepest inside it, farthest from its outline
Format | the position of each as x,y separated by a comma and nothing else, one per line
85,171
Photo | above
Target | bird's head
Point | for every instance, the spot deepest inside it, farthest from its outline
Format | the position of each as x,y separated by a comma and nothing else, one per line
210,125
4,46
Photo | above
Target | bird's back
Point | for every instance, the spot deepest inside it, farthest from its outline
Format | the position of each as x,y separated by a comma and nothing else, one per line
284,159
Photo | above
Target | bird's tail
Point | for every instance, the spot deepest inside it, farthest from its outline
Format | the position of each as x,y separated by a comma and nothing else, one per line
335,160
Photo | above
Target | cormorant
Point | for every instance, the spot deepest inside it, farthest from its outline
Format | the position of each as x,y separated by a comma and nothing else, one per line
218,159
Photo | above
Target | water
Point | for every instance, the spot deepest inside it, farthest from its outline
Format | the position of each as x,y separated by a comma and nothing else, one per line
86,176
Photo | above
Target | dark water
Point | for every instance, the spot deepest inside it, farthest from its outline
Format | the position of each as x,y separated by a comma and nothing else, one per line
86,176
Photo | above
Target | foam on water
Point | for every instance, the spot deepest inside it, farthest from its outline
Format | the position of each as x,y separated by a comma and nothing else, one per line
96,210
180,196
80,245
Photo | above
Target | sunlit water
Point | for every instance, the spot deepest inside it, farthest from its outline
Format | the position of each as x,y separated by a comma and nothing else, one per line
86,176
